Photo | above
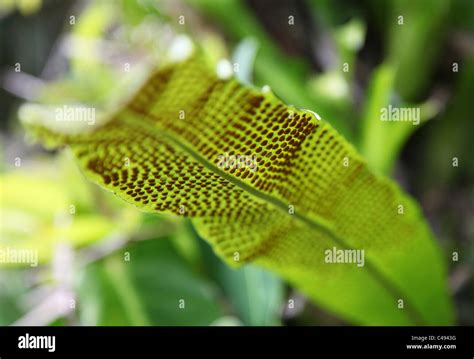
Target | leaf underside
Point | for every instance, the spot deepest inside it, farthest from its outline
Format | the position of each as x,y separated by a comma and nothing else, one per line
151,156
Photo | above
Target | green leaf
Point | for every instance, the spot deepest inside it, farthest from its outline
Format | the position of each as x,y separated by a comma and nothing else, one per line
146,290
381,141
411,45
256,294
375,133
152,156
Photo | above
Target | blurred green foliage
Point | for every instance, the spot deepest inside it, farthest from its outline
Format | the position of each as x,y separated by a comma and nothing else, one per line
147,289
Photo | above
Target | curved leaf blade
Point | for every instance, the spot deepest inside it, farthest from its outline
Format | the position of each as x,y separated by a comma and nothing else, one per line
309,192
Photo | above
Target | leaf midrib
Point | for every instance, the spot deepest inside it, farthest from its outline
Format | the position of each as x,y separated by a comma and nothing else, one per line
385,282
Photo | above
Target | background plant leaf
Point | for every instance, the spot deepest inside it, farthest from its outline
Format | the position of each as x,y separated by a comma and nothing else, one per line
146,289
256,295
381,141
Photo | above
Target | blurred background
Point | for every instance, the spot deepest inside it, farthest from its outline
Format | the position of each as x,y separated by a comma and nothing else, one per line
102,262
